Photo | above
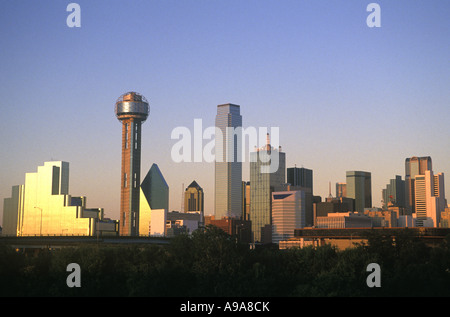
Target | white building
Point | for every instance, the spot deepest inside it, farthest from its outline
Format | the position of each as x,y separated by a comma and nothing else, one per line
429,199
288,214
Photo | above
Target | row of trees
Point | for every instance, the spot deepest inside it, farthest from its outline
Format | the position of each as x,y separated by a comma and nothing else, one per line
211,263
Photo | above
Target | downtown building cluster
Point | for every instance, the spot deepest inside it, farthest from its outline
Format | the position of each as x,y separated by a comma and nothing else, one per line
265,209
272,205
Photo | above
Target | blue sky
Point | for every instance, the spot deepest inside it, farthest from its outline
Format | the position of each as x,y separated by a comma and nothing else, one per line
345,96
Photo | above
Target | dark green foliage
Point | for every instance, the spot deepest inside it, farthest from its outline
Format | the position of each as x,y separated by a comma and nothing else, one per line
211,263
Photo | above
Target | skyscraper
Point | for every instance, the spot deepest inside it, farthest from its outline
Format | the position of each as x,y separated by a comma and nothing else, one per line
194,198
132,110
288,214
359,187
262,185
300,176
302,179
414,166
228,164
341,190
394,193
427,206
153,201
246,200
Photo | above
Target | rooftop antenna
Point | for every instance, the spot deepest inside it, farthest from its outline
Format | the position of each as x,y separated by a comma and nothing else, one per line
329,190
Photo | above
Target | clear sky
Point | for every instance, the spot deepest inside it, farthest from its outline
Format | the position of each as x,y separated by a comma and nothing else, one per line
344,96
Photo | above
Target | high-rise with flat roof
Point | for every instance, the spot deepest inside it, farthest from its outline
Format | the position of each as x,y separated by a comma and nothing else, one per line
300,178
341,190
429,198
288,214
394,193
359,187
228,164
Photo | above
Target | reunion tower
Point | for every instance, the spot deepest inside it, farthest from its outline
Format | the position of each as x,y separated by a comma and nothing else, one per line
132,110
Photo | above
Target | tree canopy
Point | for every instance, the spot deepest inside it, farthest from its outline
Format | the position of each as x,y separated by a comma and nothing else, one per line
211,263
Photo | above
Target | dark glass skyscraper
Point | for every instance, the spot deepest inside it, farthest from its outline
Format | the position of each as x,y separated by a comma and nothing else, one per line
394,193
302,177
156,189
359,187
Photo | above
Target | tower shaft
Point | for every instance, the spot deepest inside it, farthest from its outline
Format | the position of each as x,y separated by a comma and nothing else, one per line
130,179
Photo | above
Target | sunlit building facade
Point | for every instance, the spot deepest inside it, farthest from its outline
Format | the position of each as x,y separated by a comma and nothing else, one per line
288,214
341,190
429,198
414,166
344,220
228,164
194,198
246,200
262,185
394,193
154,199
43,206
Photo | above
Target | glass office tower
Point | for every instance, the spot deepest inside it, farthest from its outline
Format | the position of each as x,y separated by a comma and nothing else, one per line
262,185
156,189
394,193
359,187
228,164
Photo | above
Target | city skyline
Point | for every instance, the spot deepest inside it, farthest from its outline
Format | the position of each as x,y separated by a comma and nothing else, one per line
345,97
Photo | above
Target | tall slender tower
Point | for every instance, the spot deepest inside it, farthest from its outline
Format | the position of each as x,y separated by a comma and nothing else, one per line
131,109
228,165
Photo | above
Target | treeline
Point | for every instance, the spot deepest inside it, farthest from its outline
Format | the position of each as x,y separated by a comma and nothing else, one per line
211,263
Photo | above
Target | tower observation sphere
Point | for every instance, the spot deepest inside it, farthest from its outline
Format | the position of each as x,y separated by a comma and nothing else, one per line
132,109
132,105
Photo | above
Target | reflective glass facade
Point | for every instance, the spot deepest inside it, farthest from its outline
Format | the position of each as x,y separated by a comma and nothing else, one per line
156,189
359,187
228,166
261,187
